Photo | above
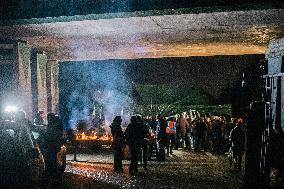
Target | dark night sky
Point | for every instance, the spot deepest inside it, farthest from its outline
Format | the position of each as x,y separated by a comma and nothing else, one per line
219,76
214,74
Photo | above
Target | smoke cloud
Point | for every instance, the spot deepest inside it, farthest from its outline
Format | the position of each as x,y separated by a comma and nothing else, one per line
89,89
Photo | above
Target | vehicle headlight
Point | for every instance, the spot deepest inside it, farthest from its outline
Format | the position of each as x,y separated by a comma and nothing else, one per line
11,109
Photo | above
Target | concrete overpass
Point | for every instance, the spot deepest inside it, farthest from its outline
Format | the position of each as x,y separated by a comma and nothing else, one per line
34,46
150,34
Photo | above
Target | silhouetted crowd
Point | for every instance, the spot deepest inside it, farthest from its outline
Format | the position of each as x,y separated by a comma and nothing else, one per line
157,137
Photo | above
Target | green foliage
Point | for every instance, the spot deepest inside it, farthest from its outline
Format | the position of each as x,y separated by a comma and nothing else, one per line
169,94
172,109
169,100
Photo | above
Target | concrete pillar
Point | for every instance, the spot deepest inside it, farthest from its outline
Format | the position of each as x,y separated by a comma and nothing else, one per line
41,81
24,78
14,59
34,81
52,86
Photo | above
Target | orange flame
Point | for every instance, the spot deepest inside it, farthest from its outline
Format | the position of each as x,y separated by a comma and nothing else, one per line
92,136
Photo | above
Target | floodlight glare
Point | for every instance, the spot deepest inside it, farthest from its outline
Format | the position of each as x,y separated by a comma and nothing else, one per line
11,109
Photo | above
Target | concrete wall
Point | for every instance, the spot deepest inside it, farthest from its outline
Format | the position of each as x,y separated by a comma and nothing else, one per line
274,55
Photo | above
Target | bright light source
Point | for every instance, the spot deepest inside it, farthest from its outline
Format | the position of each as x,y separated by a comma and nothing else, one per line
11,109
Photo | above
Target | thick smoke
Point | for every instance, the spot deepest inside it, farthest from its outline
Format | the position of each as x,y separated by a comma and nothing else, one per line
79,106
94,89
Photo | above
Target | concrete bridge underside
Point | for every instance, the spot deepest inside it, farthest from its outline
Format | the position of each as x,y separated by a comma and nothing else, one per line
133,35
149,34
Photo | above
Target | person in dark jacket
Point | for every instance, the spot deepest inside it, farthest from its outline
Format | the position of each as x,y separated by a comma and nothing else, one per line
237,138
216,135
52,143
201,129
145,146
134,135
161,138
117,144
153,123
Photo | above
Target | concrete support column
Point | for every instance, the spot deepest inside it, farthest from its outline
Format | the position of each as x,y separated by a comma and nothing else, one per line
41,70
24,88
33,59
52,85
38,81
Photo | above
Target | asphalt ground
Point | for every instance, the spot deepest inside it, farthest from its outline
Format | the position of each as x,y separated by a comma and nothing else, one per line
182,169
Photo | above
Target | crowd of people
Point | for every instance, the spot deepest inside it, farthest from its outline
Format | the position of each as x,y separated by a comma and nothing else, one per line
155,137
159,136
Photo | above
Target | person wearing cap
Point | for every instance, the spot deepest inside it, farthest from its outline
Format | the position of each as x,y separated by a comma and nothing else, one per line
117,144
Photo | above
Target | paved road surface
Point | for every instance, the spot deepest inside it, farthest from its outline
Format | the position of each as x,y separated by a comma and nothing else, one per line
181,170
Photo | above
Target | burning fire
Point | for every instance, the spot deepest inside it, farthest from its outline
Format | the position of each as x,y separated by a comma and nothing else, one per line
92,136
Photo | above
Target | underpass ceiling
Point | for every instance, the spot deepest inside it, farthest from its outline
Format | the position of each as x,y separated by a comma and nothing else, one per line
151,36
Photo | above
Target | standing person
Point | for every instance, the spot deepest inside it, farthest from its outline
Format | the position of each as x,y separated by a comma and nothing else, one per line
145,146
208,139
230,125
216,135
153,123
201,129
184,127
134,135
151,138
178,132
171,135
237,138
52,144
161,138
117,144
